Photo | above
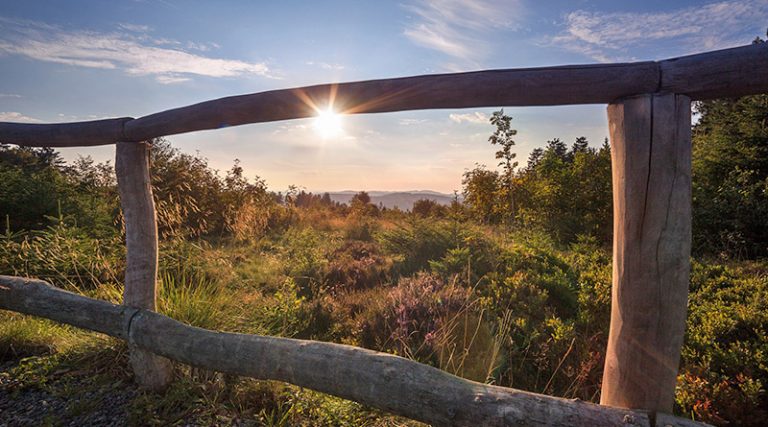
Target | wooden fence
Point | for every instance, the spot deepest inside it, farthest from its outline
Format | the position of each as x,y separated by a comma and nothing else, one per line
649,114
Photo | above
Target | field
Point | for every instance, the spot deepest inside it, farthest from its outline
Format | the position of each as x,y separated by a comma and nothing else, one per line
509,308
509,284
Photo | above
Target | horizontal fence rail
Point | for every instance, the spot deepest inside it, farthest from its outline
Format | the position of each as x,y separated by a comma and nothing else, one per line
379,380
725,73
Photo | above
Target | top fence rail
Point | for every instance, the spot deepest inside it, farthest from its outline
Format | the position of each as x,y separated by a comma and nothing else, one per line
725,73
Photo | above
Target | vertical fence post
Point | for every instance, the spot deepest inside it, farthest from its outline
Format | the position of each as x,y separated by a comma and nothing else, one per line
651,158
134,186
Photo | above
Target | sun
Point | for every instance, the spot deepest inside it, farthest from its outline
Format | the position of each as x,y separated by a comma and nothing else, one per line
328,124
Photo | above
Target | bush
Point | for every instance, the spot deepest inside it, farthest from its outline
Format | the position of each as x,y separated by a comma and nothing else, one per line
356,265
424,244
408,319
725,357
304,251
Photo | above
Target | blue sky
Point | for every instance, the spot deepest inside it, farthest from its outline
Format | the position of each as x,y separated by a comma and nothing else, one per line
83,60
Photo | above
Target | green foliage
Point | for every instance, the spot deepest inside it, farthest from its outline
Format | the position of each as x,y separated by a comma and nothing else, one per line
502,136
730,177
22,336
36,186
725,357
306,249
62,254
416,242
286,314
356,265
360,206
564,192
191,299
426,208
480,189
567,193
540,273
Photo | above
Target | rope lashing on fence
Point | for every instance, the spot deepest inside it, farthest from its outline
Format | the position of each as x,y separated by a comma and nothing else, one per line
379,380
730,72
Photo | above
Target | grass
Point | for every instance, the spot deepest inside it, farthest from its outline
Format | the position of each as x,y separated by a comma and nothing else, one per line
509,309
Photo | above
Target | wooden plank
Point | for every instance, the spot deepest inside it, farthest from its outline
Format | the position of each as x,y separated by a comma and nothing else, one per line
390,383
651,156
723,73
135,188
77,134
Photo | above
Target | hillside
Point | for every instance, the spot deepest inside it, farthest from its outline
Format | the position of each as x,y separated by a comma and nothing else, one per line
403,200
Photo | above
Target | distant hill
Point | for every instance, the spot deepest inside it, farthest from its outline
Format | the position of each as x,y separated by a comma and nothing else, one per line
391,199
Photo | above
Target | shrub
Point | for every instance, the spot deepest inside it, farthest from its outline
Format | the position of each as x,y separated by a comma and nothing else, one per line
356,265
304,251
725,357
407,319
423,244
524,270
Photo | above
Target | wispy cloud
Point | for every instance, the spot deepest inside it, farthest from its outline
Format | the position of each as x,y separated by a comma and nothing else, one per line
612,36
9,95
136,28
476,117
459,28
326,65
13,116
412,122
136,54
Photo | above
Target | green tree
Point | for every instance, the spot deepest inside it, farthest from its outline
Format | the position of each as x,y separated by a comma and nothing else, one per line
361,205
36,186
730,176
428,208
480,189
567,193
502,136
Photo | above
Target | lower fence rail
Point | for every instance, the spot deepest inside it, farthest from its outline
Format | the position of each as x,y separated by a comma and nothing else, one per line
383,381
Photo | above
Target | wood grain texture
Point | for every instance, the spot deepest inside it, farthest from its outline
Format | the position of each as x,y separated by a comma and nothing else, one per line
76,134
651,156
723,73
380,380
135,188
41,299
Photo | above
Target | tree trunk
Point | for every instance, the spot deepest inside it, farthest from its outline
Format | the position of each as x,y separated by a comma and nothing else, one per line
133,181
651,156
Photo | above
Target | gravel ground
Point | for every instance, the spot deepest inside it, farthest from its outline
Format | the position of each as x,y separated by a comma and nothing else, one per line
85,406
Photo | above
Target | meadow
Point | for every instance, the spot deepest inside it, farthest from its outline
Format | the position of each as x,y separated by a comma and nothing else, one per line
508,285
512,308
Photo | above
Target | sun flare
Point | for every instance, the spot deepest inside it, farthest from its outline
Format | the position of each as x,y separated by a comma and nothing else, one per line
328,124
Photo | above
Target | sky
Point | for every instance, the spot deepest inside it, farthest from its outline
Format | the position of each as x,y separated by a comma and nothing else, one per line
84,60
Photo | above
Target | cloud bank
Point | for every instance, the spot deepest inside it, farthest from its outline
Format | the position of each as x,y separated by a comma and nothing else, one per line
129,49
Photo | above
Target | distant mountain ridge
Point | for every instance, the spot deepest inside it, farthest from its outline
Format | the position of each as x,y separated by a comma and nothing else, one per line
403,200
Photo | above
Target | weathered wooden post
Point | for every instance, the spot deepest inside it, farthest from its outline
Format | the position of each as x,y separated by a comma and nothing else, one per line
133,182
651,156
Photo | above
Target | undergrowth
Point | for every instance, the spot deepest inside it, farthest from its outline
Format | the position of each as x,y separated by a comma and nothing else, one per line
512,309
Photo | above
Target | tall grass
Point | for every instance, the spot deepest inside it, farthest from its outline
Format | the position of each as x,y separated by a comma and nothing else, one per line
191,299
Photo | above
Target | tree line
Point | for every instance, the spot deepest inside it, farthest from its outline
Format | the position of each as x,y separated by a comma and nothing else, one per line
566,191
563,189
